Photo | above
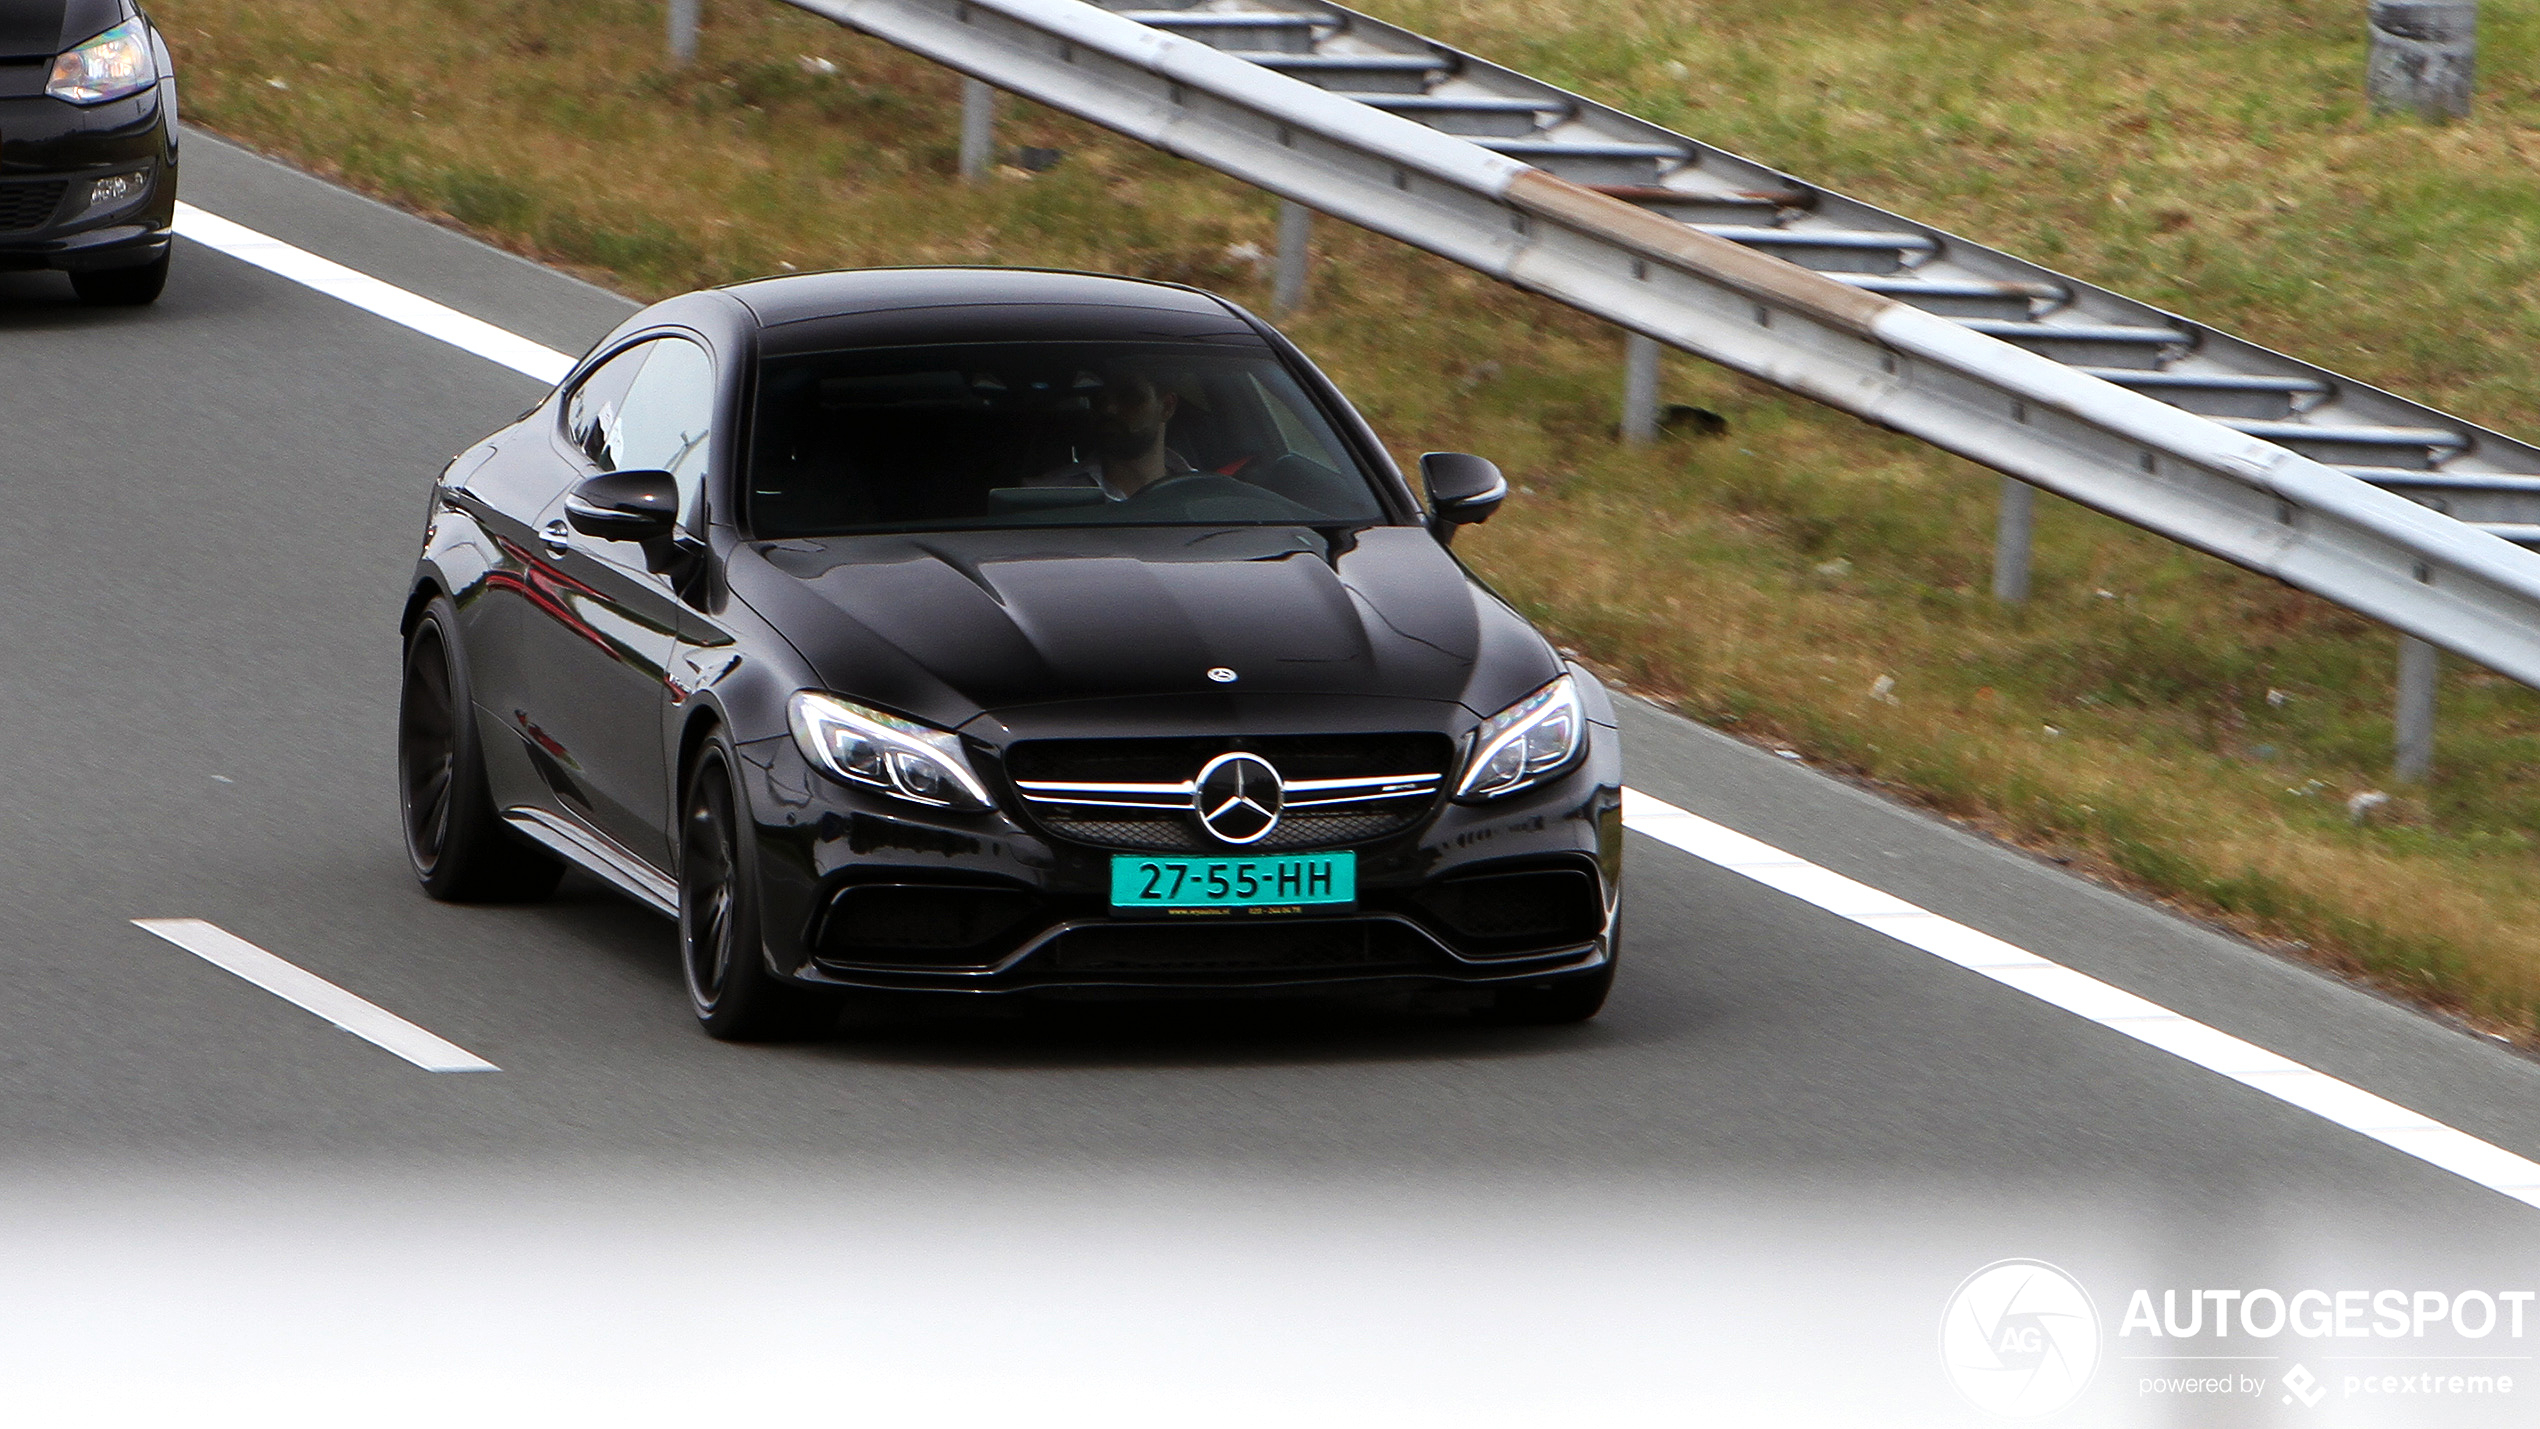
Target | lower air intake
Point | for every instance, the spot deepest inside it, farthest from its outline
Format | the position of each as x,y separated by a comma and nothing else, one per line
922,925
1267,948
25,206
1536,907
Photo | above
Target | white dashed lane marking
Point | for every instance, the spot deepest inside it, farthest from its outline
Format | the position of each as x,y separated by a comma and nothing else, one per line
371,295
297,985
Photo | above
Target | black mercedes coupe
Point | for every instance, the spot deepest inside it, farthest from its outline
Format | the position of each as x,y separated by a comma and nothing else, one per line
88,146
993,631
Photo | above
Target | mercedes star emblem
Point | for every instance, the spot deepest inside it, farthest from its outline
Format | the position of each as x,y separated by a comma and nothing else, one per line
1222,675
1238,797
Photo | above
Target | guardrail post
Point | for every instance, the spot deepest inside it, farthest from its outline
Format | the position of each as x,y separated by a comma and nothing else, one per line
2012,532
2424,56
1296,234
978,128
1640,388
2419,665
683,31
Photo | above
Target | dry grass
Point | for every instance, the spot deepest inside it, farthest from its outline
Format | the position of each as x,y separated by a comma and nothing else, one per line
2183,725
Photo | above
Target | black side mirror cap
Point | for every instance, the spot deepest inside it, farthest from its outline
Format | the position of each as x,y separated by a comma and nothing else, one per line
625,506
1463,489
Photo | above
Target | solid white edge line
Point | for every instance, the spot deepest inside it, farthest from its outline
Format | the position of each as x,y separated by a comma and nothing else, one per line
371,295
374,1024
2147,1022
2084,996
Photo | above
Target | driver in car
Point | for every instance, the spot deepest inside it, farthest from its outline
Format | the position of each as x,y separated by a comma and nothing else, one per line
1130,463
1130,412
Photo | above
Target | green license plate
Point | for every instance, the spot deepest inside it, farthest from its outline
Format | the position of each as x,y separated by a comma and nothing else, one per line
1225,885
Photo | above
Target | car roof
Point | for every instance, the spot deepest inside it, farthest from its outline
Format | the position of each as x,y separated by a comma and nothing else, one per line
880,307
807,297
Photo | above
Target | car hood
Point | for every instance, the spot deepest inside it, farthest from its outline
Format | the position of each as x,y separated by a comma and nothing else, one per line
947,626
31,28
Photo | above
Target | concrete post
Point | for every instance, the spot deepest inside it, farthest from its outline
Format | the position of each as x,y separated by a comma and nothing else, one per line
683,32
2011,539
2424,56
1296,236
978,129
1640,388
2419,666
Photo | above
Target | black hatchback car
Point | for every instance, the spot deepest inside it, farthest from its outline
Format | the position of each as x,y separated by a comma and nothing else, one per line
88,145
996,631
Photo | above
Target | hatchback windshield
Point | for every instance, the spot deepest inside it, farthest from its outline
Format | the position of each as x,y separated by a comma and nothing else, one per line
1044,434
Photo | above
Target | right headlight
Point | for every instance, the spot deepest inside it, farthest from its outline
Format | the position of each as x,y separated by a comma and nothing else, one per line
1526,743
899,757
114,64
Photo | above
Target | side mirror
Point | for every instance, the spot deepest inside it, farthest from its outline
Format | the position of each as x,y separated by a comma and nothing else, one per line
625,506
1463,489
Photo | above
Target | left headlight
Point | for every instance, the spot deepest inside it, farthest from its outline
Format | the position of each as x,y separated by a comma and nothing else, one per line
111,66
900,757
1526,743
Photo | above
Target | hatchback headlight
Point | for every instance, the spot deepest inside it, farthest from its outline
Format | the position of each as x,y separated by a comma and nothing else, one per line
1526,743
900,757
114,64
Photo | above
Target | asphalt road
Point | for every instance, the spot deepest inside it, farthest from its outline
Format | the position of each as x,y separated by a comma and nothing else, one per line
1744,1194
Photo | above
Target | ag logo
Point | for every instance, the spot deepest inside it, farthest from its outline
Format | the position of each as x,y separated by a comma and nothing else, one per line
2020,1338
1238,797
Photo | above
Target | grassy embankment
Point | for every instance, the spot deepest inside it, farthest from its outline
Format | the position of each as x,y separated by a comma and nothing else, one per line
2151,714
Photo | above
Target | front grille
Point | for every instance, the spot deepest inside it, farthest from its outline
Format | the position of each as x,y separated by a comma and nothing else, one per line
24,206
1219,948
1136,793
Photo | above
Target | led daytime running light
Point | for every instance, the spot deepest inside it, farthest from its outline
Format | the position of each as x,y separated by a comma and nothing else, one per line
1526,743
900,757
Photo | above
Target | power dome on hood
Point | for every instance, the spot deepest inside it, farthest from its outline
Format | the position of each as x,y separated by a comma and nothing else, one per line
946,625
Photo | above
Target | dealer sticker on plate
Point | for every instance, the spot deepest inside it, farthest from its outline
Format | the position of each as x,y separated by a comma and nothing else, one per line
1228,885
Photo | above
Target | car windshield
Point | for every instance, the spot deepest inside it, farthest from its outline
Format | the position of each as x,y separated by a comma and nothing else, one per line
984,435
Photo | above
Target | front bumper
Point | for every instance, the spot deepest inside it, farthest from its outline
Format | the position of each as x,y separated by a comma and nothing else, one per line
51,156
860,892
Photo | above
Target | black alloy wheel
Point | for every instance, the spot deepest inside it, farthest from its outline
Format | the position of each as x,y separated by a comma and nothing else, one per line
123,287
730,987
455,842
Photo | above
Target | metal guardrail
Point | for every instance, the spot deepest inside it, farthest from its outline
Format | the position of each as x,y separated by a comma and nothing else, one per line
2214,442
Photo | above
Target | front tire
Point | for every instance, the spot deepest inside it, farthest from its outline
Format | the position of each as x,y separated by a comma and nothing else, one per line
735,996
456,843
123,287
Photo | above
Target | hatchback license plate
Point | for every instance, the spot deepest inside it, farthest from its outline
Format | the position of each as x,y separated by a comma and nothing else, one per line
1226,885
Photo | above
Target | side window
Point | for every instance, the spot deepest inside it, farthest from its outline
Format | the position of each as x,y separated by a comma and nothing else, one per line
594,416
669,416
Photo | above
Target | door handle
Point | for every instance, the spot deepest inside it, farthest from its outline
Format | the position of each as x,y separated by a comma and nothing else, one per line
556,536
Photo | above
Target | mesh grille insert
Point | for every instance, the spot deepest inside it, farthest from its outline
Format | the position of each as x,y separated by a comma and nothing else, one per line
25,206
